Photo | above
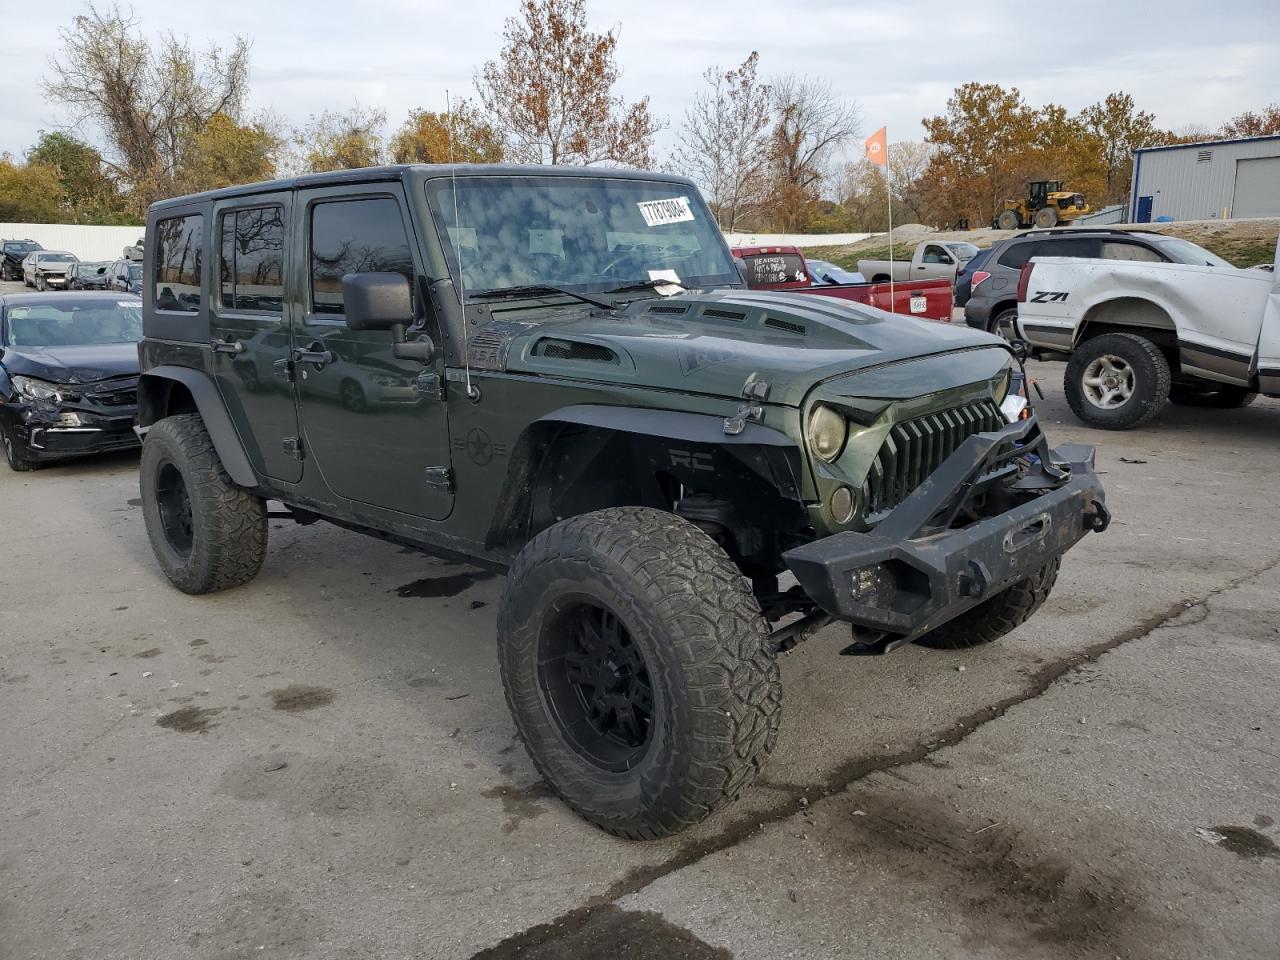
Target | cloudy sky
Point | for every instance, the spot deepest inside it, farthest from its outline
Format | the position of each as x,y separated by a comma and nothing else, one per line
1190,63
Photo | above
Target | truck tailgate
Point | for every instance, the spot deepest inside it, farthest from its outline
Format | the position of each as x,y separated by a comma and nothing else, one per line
927,299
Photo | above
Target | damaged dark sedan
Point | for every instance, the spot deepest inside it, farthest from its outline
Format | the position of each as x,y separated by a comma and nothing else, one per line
68,375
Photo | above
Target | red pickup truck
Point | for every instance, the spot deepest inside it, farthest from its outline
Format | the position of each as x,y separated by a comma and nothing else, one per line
784,268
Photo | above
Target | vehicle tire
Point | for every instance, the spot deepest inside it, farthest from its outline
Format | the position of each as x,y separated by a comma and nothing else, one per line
1046,218
207,533
1220,396
352,396
1008,220
40,284
638,669
1003,324
16,461
1117,381
994,617
880,278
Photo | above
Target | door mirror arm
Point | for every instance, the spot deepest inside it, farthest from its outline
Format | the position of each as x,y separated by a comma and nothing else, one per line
422,348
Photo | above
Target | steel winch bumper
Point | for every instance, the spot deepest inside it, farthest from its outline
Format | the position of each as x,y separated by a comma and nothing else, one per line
930,560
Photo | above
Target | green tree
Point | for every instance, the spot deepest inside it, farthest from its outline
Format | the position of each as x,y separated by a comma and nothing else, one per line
342,141
425,137
29,192
224,153
89,195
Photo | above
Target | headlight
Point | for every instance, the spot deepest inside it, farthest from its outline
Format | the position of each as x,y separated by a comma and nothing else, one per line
33,389
827,432
1000,384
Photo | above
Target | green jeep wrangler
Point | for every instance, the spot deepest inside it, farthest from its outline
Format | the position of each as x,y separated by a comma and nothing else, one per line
558,374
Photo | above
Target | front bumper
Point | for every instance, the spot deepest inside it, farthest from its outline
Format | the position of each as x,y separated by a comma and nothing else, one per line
53,279
53,431
918,569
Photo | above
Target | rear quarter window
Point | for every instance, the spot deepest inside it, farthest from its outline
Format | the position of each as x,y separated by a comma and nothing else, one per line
179,258
771,269
1019,253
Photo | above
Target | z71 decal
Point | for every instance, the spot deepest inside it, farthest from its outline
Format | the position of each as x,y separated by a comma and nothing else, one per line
1049,296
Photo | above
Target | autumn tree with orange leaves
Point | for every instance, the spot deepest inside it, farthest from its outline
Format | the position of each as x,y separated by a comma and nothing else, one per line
550,91
463,136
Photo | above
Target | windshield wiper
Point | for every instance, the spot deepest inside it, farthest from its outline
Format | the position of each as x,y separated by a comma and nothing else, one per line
534,289
647,285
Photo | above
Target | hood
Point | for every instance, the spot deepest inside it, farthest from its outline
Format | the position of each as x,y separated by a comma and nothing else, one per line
711,343
83,364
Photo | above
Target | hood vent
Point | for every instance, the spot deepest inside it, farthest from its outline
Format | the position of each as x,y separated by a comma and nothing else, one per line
659,308
787,325
717,314
557,349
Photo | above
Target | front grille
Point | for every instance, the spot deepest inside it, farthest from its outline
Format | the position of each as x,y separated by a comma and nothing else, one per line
119,398
915,448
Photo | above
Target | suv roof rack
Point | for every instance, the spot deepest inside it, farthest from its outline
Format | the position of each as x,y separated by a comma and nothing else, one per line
1061,230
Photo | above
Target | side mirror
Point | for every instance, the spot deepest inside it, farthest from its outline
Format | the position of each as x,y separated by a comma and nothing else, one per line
376,301
382,301
1021,349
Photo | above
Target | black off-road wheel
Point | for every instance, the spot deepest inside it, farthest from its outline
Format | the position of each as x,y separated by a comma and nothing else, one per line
1218,396
207,533
994,617
638,669
1117,381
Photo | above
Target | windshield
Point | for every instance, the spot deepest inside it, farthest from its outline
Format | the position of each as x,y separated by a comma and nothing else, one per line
822,269
21,246
87,321
963,251
135,271
1184,251
587,234
55,258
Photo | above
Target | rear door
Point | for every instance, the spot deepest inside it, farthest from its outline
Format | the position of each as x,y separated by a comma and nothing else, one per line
1269,339
374,437
249,323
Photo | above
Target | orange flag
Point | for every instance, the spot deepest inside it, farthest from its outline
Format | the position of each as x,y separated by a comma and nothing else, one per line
878,147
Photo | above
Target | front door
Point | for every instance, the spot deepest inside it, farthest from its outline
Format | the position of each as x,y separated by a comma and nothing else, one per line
369,429
1144,209
249,323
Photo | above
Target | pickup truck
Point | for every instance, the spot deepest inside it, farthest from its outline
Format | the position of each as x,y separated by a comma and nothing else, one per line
785,268
932,259
1140,333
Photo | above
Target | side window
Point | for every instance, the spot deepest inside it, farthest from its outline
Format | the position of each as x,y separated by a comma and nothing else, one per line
1019,253
934,254
355,236
1122,250
1069,247
179,254
250,261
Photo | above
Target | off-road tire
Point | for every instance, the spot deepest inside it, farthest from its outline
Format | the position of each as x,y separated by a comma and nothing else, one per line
1220,396
1152,380
994,617
716,685
1008,220
16,462
228,524
1046,218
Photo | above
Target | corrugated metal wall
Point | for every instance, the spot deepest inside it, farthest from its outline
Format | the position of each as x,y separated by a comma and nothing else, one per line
87,243
1197,181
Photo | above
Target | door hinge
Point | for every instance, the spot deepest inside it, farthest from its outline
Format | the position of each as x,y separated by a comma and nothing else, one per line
283,368
292,447
428,386
439,477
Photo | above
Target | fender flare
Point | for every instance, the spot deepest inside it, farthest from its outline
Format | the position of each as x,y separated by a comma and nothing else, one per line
226,442
780,463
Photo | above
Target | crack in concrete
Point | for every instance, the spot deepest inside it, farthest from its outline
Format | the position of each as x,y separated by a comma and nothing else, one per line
847,774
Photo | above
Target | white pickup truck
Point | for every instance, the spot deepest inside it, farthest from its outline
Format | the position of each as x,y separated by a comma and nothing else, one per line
1140,333
932,260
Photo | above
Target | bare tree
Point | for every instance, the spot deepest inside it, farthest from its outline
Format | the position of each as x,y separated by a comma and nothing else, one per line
147,98
550,92
811,127
724,142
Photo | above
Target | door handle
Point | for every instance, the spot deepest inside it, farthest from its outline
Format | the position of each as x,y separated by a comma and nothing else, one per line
224,346
315,353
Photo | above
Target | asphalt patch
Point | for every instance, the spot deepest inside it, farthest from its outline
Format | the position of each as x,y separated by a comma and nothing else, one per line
298,697
189,719
447,586
606,931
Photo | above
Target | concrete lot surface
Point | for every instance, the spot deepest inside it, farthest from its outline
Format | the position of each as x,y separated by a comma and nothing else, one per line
320,764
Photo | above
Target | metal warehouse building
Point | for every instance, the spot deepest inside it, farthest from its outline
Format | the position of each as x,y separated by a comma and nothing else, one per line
1204,181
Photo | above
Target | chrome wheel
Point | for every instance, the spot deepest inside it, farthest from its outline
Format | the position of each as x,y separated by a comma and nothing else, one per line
1108,382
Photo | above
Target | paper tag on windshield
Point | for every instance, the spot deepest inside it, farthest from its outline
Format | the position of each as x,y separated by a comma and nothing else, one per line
667,290
659,212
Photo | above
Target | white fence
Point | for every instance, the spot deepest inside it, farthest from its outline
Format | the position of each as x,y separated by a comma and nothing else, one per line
801,240
86,242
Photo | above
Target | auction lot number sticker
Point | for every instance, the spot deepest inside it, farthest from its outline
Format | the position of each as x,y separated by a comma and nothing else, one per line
659,212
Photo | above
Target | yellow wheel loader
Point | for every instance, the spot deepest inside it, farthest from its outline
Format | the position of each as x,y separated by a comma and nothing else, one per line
1046,205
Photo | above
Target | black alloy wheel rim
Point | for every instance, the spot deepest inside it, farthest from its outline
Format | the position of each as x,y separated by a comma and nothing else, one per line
597,685
174,505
